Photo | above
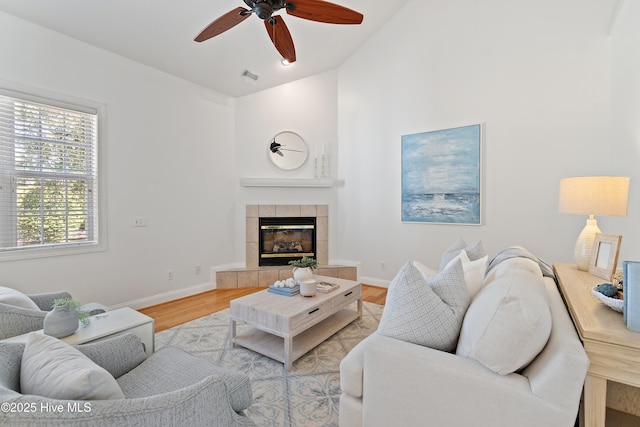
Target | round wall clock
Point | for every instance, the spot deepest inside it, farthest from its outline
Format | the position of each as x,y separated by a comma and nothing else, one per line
287,151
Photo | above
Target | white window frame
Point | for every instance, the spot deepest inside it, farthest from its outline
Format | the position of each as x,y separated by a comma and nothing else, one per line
30,94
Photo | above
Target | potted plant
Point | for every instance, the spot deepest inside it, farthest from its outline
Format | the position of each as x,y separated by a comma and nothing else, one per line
64,318
303,268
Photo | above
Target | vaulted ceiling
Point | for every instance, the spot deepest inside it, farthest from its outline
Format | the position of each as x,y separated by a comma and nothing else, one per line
160,33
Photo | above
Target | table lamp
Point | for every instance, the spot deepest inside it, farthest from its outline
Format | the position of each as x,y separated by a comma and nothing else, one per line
592,195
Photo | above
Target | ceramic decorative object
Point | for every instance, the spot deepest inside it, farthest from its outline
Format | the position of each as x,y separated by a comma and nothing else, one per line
303,268
61,322
616,304
301,274
308,288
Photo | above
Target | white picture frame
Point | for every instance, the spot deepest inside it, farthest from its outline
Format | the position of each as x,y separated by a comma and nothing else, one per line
604,256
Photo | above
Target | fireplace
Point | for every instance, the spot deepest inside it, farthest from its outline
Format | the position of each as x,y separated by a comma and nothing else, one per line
255,212
283,239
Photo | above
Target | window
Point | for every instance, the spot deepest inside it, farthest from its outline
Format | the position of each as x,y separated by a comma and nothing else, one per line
48,174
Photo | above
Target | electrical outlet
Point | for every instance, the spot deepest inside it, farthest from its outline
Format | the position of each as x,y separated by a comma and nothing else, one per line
169,274
383,265
140,221
198,270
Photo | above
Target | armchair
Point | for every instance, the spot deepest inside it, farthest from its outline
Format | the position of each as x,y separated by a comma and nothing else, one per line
18,320
171,387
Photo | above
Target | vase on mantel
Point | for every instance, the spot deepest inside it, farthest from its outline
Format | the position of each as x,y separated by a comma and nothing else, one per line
300,274
61,322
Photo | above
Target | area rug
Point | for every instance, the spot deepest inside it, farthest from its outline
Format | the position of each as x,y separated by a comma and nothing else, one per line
308,395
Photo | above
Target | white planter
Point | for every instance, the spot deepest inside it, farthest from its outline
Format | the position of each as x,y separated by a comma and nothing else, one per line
301,274
61,322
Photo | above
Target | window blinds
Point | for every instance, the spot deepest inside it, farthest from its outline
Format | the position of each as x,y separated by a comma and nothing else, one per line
48,174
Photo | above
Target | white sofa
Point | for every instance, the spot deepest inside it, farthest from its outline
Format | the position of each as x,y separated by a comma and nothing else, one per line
391,382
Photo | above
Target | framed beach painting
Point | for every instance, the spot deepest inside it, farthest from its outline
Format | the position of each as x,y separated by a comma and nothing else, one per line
441,176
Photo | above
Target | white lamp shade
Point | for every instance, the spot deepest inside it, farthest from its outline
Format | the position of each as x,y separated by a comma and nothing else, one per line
594,195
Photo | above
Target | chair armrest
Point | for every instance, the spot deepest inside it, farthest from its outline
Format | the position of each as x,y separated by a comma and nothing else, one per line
202,404
352,369
19,320
45,300
118,355
181,369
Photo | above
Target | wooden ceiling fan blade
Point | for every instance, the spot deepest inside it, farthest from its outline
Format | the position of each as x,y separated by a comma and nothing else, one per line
223,23
281,37
323,11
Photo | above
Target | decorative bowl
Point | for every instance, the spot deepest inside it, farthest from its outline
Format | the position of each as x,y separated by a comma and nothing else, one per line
616,304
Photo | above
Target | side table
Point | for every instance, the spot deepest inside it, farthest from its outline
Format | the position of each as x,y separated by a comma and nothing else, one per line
107,325
612,348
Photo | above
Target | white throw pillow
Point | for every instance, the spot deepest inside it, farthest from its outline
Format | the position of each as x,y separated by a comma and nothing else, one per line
474,252
426,312
474,271
508,323
12,297
425,270
52,368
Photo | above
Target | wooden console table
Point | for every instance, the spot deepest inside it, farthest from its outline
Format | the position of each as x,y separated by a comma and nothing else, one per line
614,350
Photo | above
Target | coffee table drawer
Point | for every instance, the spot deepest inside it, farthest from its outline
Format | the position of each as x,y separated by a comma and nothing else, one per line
347,297
313,315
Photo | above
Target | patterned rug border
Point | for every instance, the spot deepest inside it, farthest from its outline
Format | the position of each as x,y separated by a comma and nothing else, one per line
307,396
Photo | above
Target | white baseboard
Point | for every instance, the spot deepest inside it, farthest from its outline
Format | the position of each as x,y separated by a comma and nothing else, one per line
383,283
164,297
203,287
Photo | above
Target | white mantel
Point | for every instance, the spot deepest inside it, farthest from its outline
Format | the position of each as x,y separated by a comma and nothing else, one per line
287,182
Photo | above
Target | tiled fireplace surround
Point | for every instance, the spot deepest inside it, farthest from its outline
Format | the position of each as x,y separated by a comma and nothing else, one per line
253,275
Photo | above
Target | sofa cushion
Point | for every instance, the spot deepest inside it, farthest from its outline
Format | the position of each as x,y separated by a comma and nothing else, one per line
508,323
427,312
52,368
474,252
426,271
16,298
474,271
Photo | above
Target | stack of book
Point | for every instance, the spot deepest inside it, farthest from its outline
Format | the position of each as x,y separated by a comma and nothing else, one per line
285,291
631,288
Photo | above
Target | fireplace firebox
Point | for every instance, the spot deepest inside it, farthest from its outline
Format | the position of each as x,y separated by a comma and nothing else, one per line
283,239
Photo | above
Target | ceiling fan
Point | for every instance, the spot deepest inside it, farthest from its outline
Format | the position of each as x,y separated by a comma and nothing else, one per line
313,10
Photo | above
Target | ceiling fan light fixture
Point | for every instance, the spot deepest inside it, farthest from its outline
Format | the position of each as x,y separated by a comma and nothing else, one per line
263,10
312,10
285,62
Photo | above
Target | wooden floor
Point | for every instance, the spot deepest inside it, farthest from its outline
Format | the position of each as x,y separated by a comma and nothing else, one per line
173,313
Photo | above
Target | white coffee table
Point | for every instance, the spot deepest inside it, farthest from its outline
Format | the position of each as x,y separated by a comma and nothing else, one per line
107,325
285,328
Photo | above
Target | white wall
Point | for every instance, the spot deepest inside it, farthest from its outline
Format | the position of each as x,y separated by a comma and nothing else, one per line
307,107
626,119
168,159
536,74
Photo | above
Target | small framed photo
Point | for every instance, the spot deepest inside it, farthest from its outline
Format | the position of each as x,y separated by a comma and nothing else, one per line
604,257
